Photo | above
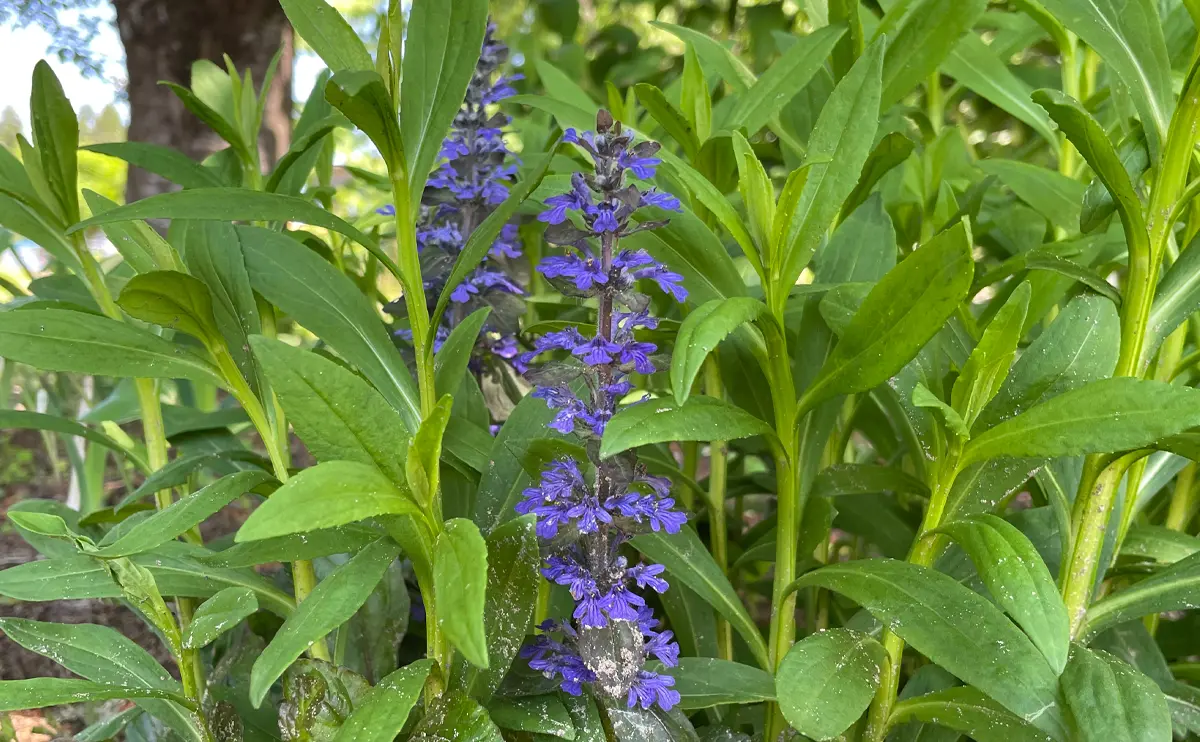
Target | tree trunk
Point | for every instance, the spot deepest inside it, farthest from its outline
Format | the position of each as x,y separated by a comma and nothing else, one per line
163,37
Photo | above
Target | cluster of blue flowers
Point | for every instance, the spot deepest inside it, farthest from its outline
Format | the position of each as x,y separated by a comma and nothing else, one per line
474,176
586,512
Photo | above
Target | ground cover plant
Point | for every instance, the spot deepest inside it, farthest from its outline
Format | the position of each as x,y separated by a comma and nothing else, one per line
840,388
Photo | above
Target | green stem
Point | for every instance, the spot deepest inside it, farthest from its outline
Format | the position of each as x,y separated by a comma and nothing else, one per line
409,263
718,458
787,478
924,550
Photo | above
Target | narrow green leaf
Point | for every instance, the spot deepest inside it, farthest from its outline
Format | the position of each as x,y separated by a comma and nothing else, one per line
786,77
1129,38
966,710
443,42
36,693
79,342
704,682
954,627
990,361
837,150
334,600
56,134
381,714
219,614
324,300
1105,416
898,317
927,33
329,494
1019,581
1176,587
293,547
511,595
328,33
702,330
460,576
1176,298
689,562
450,363
421,467
456,716
362,96
337,414
137,242
172,300
1111,701
670,118
163,161
182,515
28,420
1092,142
827,680
660,420
1051,194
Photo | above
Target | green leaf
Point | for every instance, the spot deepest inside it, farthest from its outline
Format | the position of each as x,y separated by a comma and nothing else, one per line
1092,142
460,577
891,151
235,204
758,195
175,567
865,479
1051,194
786,77
109,728
215,256
1129,38
660,420
511,595
837,150
954,627
990,361
325,301
704,682
163,161
1105,416
484,236
922,397
827,680
178,471
694,95
219,614
1098,201
328,33
686,245
294,547
172,300
970,712
329,494
702,330
1176,587
381,714
27,420
362,96
456,716
329,605
670,118
100,654
540,715
339,416
1081,345
710,197
928,32
182,515
443,42
219,121
1176,298
1110,701
1018,580
137,242
421,468
973,63
559,84
36,693
450,363
689,562
898,317
862,248
79,342
1159,544
56,134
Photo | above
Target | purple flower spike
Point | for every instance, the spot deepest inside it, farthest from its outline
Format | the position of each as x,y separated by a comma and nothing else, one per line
586,517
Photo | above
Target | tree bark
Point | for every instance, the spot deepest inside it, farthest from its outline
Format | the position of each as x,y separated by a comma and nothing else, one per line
163,37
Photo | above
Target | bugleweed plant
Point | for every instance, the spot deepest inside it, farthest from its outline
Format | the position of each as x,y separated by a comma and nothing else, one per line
841,390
